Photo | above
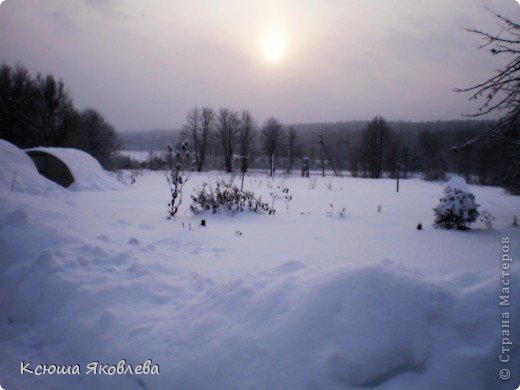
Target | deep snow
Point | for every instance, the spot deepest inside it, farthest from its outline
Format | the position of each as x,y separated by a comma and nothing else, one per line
304,299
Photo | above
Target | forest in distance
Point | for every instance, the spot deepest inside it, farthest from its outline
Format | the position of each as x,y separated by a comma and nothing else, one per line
423,148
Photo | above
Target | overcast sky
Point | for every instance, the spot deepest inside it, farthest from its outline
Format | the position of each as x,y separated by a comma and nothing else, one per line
143,64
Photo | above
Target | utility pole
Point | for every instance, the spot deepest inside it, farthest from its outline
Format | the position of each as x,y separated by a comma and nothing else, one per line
323,150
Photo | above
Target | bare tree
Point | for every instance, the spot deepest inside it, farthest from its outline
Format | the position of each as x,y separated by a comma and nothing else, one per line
430,151
291,147
247,131
99,137
191,131
20,107
56,104
501,93
373,144
354,160
227,133
272,138
198,127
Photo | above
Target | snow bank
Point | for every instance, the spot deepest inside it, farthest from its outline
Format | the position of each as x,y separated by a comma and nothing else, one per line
19,174
380,326
86,170
457,183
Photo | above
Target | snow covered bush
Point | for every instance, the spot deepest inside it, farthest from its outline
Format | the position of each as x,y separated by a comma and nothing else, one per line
176,175
457,209
228,197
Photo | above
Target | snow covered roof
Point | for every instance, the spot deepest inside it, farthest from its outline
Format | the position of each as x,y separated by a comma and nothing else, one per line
19,174
87,172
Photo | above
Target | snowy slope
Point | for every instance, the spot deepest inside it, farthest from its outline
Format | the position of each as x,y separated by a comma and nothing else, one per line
302,300
19,174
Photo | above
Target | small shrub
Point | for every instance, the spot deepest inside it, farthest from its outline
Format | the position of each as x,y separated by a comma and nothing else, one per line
457,209
227,196
281,192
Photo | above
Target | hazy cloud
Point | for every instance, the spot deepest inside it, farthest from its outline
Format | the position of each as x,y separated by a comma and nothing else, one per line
144,64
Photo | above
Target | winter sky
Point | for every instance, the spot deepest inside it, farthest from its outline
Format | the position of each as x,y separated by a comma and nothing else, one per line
143,64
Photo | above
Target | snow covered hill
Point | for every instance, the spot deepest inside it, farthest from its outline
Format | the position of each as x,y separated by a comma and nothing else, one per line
305,299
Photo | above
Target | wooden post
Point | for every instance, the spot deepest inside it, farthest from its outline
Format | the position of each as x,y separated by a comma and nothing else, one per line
243,159
398,174
324,151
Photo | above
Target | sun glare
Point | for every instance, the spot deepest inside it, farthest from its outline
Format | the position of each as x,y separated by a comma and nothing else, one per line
273,47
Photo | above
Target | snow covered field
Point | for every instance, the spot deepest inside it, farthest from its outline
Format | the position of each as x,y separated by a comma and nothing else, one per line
139,155
299,300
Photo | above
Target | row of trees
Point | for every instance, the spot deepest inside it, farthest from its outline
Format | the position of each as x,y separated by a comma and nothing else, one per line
38,111
227,139
234,134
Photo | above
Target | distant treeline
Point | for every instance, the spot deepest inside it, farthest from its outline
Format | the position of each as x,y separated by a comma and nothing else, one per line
363,148
38,111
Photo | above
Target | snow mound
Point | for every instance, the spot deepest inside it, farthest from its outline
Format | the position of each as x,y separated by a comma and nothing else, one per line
376,326
86,170
19,174
458,183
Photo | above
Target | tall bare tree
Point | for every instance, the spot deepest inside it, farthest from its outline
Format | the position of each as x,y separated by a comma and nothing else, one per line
246,136
20,107
501,93
56,105
272,137
99,137
199,125
373,145
227,128
431,156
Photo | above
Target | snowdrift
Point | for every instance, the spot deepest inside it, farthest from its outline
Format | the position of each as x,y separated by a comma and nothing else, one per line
19,174
380,326
109,278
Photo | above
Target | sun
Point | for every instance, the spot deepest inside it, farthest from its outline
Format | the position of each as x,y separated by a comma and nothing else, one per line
273,47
